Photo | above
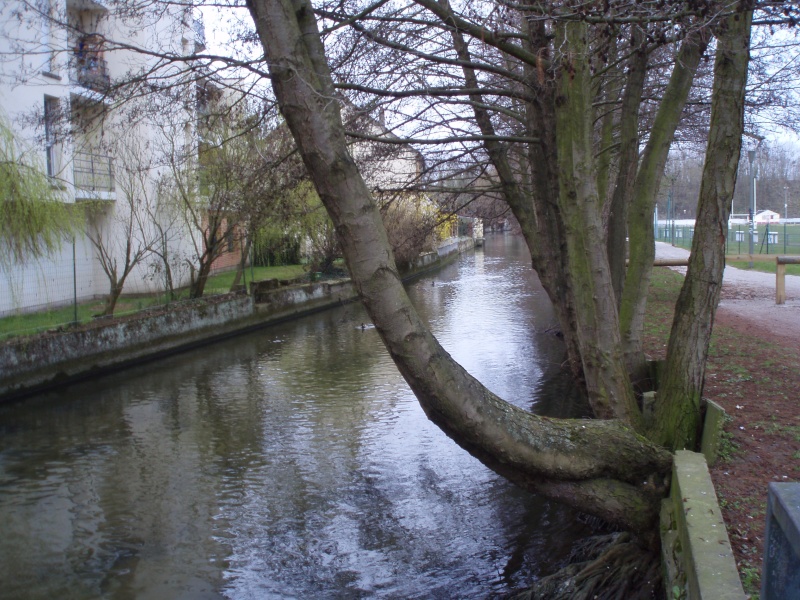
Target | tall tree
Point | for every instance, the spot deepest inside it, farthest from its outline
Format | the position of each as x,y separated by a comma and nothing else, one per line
126,245
601,466
33,219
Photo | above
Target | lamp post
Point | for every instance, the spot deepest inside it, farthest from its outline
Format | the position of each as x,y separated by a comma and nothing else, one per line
751,155
785,215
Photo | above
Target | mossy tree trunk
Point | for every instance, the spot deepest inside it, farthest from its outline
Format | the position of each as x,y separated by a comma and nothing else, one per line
587,270
643,198
678,411
627,160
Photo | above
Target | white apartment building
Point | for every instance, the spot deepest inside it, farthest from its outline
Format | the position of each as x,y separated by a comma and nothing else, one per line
60,62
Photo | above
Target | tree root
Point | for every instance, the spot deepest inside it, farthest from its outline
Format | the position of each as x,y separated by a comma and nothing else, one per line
607,567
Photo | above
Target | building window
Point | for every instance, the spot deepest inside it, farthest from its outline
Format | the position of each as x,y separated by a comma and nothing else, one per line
51,109
46,9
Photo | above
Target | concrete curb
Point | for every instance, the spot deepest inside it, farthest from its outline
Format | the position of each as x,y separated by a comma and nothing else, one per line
696,552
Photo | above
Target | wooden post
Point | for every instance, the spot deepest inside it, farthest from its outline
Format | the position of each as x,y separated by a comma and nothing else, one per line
780,282
780,276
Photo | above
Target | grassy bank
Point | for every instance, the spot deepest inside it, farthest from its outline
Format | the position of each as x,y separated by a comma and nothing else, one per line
30,323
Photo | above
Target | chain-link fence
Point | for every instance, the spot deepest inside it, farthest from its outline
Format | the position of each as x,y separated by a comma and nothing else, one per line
767,239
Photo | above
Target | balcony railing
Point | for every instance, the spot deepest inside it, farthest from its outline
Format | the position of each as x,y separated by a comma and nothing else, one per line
93,172
91,72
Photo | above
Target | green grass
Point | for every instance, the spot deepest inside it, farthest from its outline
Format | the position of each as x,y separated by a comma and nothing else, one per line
220,284
664,287
727,448
764,267
30,323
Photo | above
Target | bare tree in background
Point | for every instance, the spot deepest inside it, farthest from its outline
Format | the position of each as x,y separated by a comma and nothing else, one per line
121,249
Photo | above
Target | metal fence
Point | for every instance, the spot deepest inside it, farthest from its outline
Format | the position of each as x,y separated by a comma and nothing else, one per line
767,239
71,288
93,172
64,289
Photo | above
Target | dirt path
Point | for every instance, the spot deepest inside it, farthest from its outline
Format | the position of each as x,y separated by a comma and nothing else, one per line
750,296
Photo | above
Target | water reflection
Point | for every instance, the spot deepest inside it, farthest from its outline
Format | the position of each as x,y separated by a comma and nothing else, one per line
293,462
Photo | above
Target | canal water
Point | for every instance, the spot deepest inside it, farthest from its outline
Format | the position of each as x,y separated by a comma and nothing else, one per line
293,462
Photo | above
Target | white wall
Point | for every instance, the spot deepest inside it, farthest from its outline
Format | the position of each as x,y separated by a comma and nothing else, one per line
37,60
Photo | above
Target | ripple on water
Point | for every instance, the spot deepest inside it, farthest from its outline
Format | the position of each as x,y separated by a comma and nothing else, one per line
293,462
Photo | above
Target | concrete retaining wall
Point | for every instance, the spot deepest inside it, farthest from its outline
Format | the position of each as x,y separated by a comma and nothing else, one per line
697,555
34,363
37,362
31,363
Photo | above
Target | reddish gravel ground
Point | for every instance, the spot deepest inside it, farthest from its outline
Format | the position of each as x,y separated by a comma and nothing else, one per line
754,373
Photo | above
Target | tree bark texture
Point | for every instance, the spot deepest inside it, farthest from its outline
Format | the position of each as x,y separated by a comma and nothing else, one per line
617,213
643,199
588,271
602,467
678,412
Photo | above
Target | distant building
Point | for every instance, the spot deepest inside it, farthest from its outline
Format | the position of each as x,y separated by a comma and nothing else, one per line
766,217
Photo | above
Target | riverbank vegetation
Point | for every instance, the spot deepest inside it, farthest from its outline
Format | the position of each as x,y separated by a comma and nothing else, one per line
34,322
559,187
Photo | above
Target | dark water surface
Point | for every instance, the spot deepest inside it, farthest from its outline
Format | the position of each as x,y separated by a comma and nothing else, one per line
290,463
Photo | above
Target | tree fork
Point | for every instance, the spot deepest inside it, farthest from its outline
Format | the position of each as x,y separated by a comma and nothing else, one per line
538,448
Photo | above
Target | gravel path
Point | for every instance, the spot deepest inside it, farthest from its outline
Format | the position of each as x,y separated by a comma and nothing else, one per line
750,295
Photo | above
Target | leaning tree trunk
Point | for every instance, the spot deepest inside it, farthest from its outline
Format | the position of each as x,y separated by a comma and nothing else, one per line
678,409
617,212
601,467
645,190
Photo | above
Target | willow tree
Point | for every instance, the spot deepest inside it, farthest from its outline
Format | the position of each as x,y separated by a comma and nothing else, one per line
34,220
